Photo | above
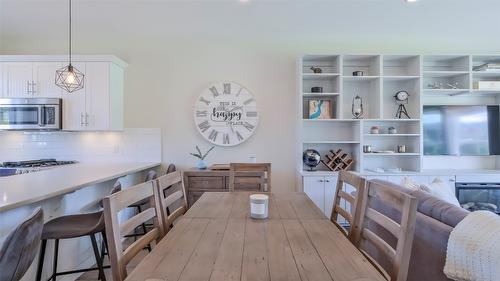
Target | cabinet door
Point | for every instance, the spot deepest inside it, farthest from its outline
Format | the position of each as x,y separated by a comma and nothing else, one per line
74,107
97,94
2,90
314,187
18,77
330,188
44,79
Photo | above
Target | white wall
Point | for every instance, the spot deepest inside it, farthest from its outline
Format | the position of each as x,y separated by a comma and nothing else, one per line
177,48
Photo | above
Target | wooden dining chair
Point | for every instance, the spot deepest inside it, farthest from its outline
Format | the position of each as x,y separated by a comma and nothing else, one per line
173,200
398,257
116,231
264,182
351,215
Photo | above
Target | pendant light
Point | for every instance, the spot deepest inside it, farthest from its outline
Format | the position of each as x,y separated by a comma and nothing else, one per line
69,78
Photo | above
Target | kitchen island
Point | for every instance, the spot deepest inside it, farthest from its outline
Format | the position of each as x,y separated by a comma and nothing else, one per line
70,189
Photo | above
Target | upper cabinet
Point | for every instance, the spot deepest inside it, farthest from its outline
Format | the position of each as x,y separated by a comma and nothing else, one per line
96,107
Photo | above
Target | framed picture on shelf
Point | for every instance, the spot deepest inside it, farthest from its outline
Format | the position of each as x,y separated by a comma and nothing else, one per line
320,109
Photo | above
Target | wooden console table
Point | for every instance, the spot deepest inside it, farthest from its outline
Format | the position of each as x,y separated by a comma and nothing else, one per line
198,182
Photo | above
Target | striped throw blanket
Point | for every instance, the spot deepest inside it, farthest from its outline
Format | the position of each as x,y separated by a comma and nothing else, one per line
473,252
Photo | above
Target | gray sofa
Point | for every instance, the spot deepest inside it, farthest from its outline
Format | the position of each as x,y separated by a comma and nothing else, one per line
435,220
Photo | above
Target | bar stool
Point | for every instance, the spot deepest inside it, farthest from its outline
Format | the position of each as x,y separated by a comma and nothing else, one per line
20,247
74,226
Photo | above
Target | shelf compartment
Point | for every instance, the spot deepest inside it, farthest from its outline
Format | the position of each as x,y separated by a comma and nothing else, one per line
400,65
353,149
483,59
391,87
317,132
445,63
406,162
400,78
328,63
445,92
330,84
402,128
334,107
370,65
460,79
368,90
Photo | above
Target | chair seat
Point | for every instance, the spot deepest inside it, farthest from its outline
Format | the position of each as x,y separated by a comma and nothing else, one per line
73,226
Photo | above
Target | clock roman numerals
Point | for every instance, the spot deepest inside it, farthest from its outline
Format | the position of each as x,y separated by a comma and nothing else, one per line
226,139
214,91
204,126
213,135
251,113
248,101
204,100
248,126
227,89
202,113
239,136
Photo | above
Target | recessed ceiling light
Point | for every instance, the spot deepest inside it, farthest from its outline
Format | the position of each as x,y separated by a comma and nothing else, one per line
411,1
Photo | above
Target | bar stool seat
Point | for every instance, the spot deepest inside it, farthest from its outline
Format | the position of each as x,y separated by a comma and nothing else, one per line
73,226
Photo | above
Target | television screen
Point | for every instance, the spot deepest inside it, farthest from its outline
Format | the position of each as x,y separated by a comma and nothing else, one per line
461,130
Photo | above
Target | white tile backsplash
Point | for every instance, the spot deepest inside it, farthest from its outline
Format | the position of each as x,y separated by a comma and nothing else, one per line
132,144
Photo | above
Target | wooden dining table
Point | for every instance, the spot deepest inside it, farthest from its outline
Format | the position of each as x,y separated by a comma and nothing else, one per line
217,240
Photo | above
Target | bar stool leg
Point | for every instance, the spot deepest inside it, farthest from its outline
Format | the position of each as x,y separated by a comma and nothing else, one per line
54,266
97,257
40,260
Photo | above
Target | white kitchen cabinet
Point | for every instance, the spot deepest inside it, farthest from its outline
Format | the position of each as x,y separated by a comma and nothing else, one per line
44,85
314,187
321,190
330,188
74,118
99,105
17,79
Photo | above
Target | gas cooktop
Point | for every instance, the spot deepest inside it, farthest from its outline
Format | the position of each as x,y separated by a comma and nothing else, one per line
36,163
29,166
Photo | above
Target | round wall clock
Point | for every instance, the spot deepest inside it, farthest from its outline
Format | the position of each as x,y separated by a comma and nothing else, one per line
226,114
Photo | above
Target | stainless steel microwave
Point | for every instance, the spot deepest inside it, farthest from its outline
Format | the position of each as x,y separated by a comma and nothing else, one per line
30,114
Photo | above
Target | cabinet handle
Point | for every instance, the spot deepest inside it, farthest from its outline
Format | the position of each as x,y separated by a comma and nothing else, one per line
81,120
28,87
452,180
86,119
33,87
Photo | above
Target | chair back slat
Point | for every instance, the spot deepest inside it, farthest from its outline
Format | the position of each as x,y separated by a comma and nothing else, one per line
115,231
351,216
170,198
406,205
263,182
132,223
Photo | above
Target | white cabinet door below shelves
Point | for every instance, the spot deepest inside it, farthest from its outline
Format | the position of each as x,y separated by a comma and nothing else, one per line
314,187
330,188
17,77
44,74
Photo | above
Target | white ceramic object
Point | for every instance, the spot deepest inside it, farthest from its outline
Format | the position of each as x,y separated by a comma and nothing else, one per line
259,206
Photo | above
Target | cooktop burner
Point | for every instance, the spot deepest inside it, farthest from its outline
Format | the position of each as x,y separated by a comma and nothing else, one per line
36,163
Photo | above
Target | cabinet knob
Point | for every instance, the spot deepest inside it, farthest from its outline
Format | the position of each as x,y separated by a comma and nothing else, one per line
81,120
320,180
327,180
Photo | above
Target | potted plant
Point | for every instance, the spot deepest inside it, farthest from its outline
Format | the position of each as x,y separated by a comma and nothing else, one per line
202,165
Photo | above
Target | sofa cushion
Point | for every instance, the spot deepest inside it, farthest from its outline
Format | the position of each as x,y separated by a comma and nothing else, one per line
432,206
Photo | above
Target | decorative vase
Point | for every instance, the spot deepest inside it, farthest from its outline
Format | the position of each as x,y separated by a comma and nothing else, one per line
202,165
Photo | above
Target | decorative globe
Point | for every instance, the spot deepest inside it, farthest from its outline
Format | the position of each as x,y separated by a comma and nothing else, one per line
311,158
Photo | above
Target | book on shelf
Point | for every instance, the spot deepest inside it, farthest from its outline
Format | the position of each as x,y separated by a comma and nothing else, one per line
487,67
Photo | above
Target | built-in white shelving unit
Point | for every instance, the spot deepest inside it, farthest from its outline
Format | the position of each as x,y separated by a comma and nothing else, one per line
429,80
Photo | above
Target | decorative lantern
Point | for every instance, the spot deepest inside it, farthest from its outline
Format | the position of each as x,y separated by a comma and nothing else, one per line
357,107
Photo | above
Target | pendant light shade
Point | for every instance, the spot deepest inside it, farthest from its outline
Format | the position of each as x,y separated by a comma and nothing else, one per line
69,78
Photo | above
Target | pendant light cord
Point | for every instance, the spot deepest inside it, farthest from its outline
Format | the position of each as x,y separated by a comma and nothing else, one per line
69,32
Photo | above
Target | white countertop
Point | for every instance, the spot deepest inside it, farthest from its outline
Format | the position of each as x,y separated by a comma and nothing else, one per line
25,189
